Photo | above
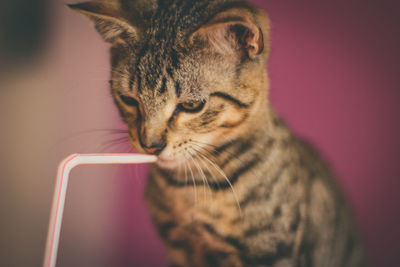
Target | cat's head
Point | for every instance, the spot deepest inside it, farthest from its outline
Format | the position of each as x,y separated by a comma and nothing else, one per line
187,76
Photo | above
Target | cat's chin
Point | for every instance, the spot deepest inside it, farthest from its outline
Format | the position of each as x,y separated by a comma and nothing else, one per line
167,163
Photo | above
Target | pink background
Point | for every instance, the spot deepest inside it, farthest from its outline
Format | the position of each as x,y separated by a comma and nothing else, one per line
334,77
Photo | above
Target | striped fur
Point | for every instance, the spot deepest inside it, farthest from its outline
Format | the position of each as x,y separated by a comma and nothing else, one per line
233,186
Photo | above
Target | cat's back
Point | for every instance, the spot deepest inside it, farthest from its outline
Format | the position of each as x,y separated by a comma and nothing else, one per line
331,237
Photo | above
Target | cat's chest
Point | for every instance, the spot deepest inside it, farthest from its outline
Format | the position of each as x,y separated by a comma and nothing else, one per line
199,207
195,209
202,226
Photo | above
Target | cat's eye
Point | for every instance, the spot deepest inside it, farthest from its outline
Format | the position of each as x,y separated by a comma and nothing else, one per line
192,107
129,101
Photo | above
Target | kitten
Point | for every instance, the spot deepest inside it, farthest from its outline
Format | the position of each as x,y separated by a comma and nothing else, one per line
232,186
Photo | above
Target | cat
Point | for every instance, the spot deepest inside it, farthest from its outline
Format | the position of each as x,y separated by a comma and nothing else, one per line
232,185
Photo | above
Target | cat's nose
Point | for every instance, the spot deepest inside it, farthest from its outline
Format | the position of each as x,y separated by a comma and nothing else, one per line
155,149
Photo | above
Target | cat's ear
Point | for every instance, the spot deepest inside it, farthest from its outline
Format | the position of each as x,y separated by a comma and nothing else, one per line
235,31
107,18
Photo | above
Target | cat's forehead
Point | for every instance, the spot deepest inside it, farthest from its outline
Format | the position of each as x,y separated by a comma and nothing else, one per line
166,70
172,18
166,67
166,75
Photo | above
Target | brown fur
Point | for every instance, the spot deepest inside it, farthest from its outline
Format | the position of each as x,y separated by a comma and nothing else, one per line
233,186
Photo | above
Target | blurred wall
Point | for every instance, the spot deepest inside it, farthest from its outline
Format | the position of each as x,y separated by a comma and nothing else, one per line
46,101
23,25
334,71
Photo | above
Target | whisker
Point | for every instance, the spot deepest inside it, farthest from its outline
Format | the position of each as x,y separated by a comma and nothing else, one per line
179,170
194,183
91,131
210,153
203,174
186,177
120,139
235,157
109,144
227,180
204,189
208,169
216,147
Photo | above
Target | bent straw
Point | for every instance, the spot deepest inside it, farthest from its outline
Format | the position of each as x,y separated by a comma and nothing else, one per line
64,168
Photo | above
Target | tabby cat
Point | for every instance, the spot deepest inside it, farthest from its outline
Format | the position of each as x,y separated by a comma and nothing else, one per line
232,185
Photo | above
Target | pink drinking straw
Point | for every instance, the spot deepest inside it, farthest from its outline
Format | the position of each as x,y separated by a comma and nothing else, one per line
64,168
